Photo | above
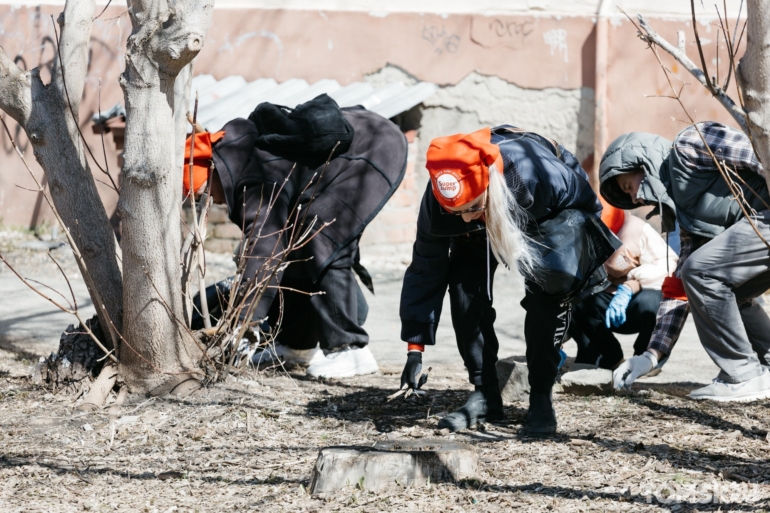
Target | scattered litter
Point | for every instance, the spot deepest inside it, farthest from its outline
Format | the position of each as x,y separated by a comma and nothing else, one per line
128,419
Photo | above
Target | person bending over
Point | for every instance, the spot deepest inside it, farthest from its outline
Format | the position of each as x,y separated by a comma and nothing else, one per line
723,265
490,193
631,303
252,164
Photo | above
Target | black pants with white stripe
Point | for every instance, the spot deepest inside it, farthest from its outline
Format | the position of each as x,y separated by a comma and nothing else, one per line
545,328
333,318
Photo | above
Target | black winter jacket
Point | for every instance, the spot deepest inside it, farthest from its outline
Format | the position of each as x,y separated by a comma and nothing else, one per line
353,189
545,180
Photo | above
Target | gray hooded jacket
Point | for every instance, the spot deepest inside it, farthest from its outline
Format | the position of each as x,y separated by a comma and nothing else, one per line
699,198
632,152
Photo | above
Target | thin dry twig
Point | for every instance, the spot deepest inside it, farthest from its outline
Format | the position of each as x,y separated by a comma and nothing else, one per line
199,226
734,188
71,310
72,110
648,35
101,131
103,10
98,304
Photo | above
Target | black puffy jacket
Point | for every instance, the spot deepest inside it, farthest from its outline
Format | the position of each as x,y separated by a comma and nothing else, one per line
351,192
545,180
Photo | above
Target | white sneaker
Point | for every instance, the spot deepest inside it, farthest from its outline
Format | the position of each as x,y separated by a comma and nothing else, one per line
272,354
349,362
754,389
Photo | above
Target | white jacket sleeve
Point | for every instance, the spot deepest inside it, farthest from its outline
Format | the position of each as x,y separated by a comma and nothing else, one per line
652,262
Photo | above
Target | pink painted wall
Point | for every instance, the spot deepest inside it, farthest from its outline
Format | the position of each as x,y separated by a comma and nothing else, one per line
635,76
348,45
27,36
531,52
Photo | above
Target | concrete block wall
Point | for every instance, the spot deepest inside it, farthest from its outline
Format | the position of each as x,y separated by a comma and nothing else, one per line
565,115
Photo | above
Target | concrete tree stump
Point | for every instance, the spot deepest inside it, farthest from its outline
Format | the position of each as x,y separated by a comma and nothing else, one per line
393,464
587,382
512,378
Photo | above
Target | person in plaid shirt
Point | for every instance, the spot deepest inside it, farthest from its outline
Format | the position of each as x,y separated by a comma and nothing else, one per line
723,265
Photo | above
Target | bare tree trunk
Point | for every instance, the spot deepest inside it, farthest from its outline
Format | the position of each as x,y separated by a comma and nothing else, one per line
754,74
181,106
165,38
49,116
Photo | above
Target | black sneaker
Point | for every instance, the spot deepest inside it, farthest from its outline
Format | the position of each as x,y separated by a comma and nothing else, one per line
483,405
541,418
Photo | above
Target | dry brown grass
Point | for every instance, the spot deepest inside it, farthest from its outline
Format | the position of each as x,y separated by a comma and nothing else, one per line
251,444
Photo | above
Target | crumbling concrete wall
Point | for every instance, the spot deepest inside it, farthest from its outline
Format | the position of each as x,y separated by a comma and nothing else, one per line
565,115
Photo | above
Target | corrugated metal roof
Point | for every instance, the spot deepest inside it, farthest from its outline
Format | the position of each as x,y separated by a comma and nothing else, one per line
232,97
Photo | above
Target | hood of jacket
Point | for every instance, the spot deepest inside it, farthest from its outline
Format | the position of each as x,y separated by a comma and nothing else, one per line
633,152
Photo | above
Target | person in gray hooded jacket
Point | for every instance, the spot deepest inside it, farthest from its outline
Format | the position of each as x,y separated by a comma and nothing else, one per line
723,264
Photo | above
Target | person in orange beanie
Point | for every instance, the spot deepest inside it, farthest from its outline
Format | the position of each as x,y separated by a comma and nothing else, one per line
278,157
194,180
501,195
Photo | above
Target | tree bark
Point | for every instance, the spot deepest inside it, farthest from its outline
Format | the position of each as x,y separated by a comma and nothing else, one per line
164,39
754,75
48,113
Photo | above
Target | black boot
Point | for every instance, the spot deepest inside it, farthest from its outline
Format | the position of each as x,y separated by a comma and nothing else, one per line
484,405
541,418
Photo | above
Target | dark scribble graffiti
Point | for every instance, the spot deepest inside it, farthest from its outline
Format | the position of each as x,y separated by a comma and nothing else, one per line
441,40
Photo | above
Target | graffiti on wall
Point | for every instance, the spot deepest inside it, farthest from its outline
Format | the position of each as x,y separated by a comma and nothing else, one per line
556,39
440,39
510,32
35,48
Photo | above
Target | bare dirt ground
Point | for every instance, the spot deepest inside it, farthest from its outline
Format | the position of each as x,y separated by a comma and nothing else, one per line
251,443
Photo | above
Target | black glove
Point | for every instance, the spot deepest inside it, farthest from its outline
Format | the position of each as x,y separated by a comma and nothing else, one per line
412,369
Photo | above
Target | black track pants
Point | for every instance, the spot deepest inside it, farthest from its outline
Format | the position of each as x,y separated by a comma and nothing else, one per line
545,328
334,318
596,343
472,314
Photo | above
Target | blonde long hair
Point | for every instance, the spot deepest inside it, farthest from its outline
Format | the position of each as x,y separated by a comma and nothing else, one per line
504,219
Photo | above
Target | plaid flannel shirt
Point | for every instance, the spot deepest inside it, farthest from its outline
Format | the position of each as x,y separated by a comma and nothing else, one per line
731,147
672,313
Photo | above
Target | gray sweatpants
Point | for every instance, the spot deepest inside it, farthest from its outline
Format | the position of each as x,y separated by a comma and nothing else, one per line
722,280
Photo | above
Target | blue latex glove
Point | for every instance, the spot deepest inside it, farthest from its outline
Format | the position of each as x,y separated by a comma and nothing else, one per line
616,311
562,357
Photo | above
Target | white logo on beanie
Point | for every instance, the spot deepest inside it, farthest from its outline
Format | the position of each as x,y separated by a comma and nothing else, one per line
448,186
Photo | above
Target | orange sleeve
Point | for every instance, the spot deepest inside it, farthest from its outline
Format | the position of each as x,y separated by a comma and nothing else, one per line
673,288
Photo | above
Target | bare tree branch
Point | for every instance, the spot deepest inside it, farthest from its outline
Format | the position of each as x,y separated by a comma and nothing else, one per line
751,75
75,23
708,83
15,90
652,37
734,188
